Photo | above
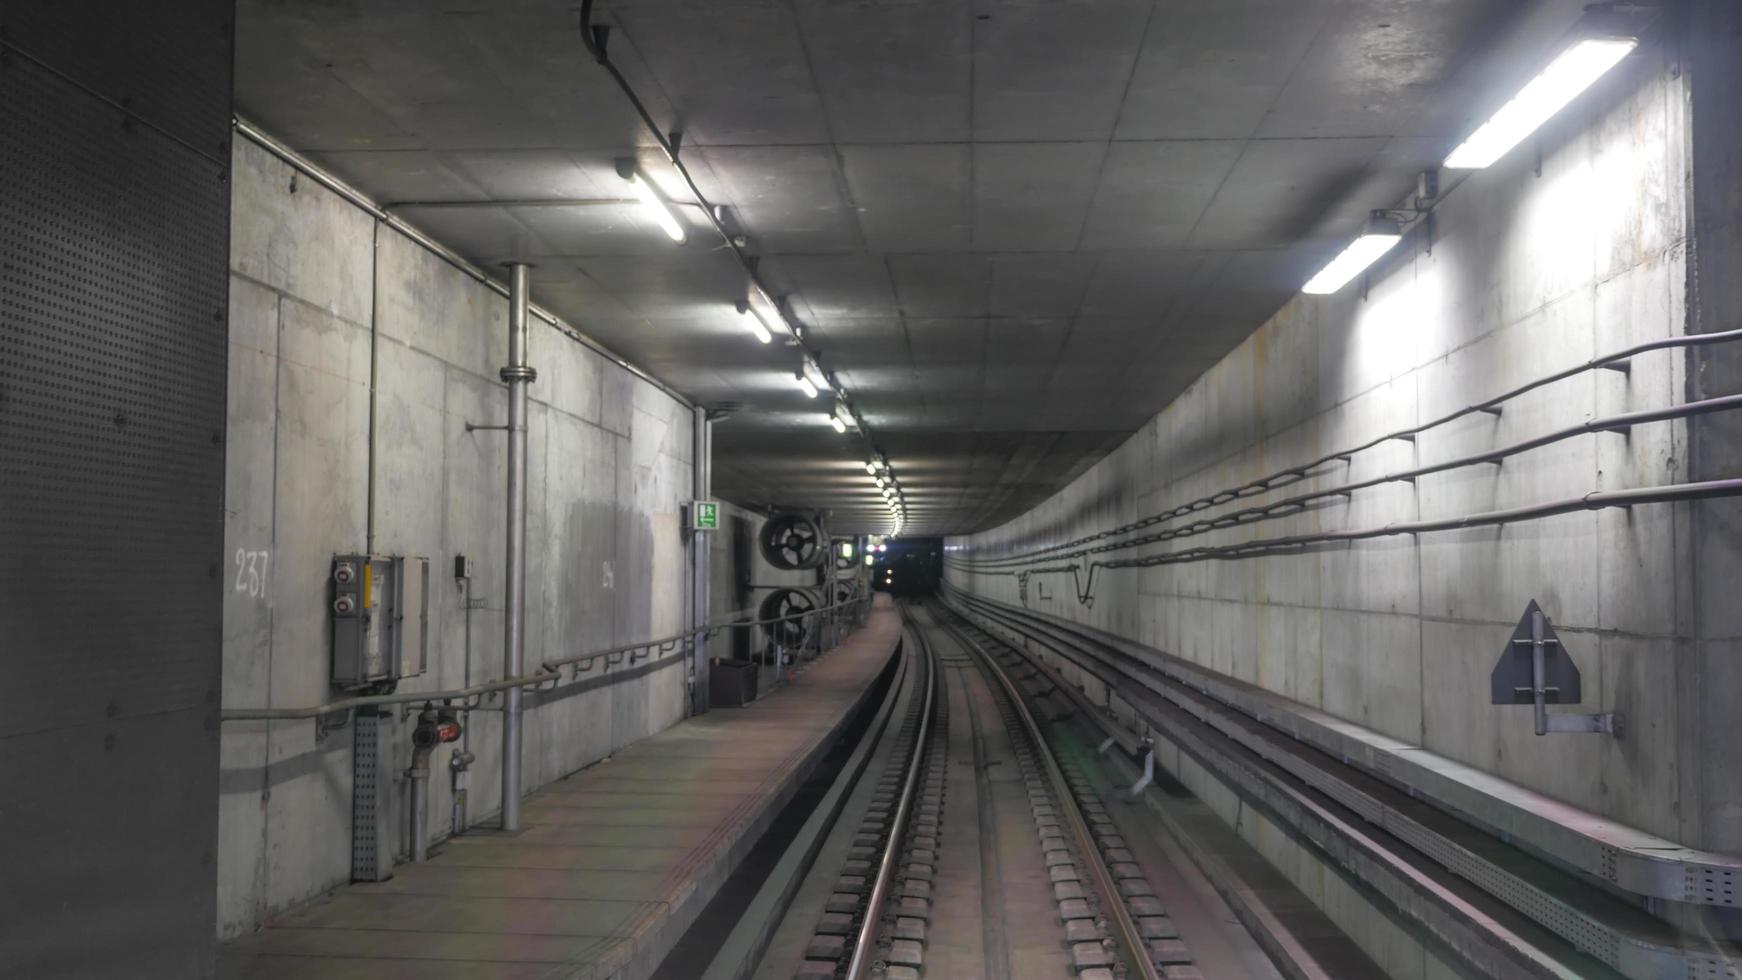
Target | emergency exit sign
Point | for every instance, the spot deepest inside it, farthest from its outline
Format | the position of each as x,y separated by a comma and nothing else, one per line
705,515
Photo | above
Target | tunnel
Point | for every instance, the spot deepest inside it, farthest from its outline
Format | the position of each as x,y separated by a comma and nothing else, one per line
870,490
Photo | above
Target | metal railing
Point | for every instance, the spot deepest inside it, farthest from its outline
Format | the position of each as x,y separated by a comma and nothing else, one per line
548,677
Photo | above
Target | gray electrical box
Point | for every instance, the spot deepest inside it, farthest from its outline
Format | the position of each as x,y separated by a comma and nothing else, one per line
380,615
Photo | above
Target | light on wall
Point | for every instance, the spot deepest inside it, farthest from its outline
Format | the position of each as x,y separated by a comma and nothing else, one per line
1575,70
1380,235
654,203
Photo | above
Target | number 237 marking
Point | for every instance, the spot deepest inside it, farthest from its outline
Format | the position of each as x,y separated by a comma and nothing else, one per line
251,571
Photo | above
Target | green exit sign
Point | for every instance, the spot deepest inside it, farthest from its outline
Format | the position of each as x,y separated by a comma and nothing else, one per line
705,515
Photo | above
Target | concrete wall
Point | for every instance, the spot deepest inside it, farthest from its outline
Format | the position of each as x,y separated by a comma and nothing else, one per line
1526,274
1712,789
609,467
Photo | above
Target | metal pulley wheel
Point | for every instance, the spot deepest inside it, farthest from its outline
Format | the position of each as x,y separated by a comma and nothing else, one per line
843,590
793,541
846,556
790,634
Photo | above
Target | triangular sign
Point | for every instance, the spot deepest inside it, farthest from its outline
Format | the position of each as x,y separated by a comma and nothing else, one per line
1512,681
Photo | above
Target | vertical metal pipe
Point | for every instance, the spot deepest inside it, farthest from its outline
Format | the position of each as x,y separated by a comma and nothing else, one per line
702,460
420,809
517,376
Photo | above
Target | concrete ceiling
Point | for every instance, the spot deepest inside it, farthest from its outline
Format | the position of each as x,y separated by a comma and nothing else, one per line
1015,228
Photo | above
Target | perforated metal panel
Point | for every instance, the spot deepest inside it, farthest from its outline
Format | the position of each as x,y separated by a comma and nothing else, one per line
114,226
371,805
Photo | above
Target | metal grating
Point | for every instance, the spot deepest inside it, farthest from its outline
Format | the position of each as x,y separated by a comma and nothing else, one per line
114,241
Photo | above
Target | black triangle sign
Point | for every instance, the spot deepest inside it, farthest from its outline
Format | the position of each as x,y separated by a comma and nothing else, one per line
1511,681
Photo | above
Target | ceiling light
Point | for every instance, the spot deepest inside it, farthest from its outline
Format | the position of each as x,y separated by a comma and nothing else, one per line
1546,94
754,322
805,385
1378,238
653,202
840,426
766,319
871,468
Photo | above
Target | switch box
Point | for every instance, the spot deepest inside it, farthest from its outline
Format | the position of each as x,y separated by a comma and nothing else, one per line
379,609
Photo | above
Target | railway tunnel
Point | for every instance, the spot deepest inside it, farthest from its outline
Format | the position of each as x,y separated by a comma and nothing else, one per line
870,489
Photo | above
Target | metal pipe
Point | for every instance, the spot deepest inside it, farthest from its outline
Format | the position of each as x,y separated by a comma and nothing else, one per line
702,470
517,375
362,201
1288,506
1292,544
420,809
1293,474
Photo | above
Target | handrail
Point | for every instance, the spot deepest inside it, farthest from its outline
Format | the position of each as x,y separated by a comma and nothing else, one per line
549,672
1264,484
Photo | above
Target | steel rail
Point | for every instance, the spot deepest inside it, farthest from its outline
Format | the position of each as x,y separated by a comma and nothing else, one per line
1615,360
364,203
549,673
1309,752
864,947
1112,903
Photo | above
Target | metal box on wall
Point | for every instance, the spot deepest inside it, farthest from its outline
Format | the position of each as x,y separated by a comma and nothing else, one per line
380,619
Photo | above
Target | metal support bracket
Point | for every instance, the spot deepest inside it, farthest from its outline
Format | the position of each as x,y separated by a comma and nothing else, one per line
1136,789
1535,669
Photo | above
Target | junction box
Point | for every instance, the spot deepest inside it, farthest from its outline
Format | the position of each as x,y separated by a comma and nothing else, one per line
379,606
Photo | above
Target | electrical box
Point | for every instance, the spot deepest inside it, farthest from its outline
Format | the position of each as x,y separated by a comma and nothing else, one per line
380,615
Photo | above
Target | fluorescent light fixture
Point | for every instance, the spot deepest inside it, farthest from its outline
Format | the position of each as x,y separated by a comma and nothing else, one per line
805,385
1548,93
878,480
840,426
1379,237
766,320
656,207
754,322
871,468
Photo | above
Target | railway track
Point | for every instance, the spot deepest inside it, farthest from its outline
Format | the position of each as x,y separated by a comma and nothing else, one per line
987,848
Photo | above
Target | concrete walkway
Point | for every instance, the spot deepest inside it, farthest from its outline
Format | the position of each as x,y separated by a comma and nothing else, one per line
614,862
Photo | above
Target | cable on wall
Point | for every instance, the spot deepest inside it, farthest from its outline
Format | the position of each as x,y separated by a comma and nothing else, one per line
596,37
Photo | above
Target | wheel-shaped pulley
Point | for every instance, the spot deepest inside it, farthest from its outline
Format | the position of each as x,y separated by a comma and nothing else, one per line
790,634
843,590
792,541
